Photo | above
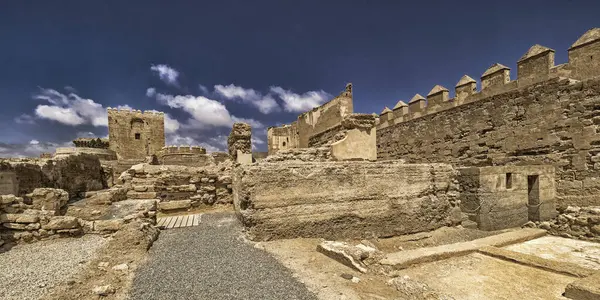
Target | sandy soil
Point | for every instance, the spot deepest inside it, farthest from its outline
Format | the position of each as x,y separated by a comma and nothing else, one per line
583,253
322,275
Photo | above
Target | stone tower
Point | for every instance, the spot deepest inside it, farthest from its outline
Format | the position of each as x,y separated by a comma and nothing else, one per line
134,134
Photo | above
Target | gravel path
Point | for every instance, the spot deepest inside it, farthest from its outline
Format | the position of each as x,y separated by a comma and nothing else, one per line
211,261
29,271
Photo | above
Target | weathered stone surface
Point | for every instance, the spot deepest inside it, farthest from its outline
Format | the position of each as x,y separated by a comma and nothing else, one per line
134,134
48,199
412,289
108,225
75,174
62,222
343,199
176,204
239,139
552,122
358,257
20,226
18,218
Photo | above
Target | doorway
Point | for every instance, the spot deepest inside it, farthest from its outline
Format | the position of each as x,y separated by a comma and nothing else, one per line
533,197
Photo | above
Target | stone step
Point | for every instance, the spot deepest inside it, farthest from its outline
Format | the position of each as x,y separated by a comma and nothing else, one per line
174,205
143,188
140,195
404,259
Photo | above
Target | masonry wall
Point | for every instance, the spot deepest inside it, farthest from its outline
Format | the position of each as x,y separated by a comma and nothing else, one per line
193,156
134,134
372,199
548,115
313,128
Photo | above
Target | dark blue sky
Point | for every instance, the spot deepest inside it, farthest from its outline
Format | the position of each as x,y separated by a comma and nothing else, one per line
104,50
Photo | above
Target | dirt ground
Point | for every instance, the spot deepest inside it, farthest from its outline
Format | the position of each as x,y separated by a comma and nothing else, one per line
322,275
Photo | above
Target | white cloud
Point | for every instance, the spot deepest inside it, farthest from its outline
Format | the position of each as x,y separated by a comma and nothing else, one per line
265,104
34,142
204,112
32,149
150,92
171,125
166,73
71,109
300,103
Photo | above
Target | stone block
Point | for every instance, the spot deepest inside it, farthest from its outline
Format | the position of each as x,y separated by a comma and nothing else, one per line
173,205
21,226
18,218
48,199
62,222
108,225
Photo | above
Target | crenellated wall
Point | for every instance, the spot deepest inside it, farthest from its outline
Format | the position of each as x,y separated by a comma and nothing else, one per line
134,134
312,128
184,155
535,66
548,115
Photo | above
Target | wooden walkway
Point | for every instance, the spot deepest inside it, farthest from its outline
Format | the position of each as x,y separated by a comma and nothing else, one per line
178,221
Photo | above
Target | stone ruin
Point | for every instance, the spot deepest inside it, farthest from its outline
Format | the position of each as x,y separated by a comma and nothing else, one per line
517,153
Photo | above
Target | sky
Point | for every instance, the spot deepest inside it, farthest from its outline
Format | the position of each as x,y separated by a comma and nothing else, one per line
207,64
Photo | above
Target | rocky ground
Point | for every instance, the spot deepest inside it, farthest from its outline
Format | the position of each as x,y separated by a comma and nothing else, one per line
213,261
30,270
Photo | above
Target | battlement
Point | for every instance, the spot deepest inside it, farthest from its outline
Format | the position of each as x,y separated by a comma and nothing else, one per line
182,149
535,66
134,112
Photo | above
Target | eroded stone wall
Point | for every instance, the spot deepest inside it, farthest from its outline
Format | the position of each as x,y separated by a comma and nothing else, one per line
344,199
74,173
555,122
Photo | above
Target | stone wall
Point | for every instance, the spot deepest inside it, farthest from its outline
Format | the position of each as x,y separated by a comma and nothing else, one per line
74,173
344,199
320,124
508,196
550,123
134,134
574,222
179,187
102,154
193,156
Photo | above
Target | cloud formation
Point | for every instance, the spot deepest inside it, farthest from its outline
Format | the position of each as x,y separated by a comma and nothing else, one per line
204,112
265,104
167,74
300,103
70,109
31,149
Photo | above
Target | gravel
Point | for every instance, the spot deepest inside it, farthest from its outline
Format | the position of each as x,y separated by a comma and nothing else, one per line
29,271
212,261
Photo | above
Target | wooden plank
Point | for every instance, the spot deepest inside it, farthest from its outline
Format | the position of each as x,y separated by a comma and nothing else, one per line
178,223
161,221
190,220
171,222
197,219
184,222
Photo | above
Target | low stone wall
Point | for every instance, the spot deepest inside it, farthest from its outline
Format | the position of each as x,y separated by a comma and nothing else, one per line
184,186
344,199
102,154
301,154
74,173
39,216
574,222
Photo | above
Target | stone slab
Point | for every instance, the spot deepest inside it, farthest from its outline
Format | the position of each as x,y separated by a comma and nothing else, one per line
404,259
538,262
173,205
582,253
584,289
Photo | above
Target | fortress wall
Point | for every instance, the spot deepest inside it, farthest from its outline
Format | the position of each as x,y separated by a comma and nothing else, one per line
548,115
312,128
134,134
192,156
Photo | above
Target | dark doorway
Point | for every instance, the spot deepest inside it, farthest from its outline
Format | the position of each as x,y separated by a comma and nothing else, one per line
533,197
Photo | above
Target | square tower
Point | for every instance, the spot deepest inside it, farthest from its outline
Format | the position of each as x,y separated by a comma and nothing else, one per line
134,134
